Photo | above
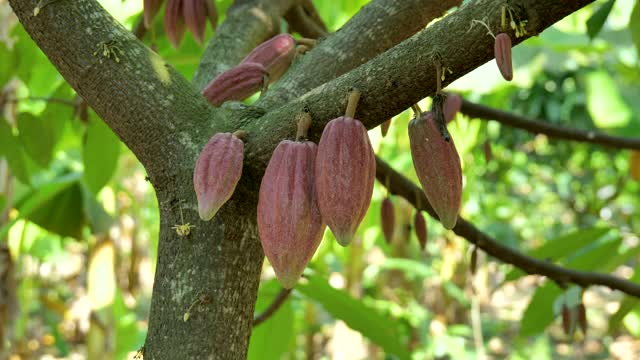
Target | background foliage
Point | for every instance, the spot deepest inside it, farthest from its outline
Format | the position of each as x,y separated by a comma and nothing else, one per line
80,221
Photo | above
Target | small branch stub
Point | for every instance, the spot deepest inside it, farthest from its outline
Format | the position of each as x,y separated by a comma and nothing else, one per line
304,122
352,103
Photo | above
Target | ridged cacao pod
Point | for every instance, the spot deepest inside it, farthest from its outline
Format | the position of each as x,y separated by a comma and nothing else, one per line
567,325
384,127
582,318
420,227
289,221
345,172
388,219
237,83
502,52
217,172
195,16
212,13
174,21
275,54
437,165
452,105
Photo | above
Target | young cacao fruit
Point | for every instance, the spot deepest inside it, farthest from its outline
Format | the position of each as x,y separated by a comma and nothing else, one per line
502,52
582,318
388,219
217,172
452,105
345,172
289,221
420,227
437,165
237,83
384,127
566,319
195,16
174,21
274,54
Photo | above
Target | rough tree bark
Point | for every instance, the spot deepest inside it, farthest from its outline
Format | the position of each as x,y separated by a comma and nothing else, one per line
164,121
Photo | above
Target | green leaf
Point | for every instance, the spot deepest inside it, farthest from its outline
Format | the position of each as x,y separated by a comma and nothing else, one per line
63,214
561,247
627,304
272,338
384,331
99,220
604,102
12,150
539,314
36,137
634,25
596,21
56,114
99,154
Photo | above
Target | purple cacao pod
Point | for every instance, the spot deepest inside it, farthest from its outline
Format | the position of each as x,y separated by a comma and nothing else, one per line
345,171
502,52
452,105
237,83
437,165
420,227
275,54
195,16
174,22
289,221
217,172
388,219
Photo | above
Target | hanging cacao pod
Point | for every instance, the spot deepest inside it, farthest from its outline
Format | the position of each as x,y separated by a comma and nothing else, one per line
384,127
174,22
289,221
217,172
195,16
237,83
437,165
452,106
275,54
502,52
420,227
388,219
345,172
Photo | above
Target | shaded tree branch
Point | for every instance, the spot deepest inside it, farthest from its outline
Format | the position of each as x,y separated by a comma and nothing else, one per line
273,307
364,36
542,127
401,186
248,23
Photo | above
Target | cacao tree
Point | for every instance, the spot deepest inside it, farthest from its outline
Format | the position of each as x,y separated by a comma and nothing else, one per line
394,53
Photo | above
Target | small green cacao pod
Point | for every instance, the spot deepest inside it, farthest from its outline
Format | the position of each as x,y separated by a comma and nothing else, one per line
502,52
345,173
275,54
437,165
388,219
237,83
420,227
289,221
217,172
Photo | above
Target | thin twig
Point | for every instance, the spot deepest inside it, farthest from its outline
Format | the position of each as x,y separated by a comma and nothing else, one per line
400,185
542,127
275,305
47,99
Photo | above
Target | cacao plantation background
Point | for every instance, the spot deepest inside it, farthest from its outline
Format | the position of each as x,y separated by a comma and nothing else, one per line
79,217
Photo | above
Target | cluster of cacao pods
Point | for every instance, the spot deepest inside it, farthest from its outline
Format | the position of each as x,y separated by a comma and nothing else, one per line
178,13
573,317
265,64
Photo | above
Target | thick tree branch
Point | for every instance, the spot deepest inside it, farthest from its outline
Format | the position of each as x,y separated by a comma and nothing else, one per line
377,27
401,186
246,26
542,127
393,81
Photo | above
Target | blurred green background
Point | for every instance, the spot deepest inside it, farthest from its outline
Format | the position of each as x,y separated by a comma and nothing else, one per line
79,223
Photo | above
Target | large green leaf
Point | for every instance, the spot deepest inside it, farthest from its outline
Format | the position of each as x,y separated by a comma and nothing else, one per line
626,306
596,21
99,154
38,138
63,214
561,247
604,102
11,149
272,338
634,25
384,331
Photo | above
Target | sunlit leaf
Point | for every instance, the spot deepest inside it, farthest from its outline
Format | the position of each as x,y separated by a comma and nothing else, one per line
37,137
11,149
597,20
101,280
604,102
100,154
272,338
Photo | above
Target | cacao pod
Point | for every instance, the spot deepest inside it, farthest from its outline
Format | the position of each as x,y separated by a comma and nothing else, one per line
420,226
174,22
502,52
289,221
452,105
274,54
195,16
237,83
473,263
437,165
150,9
212,13
388,219
345,171
217,172
384,127
582,318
